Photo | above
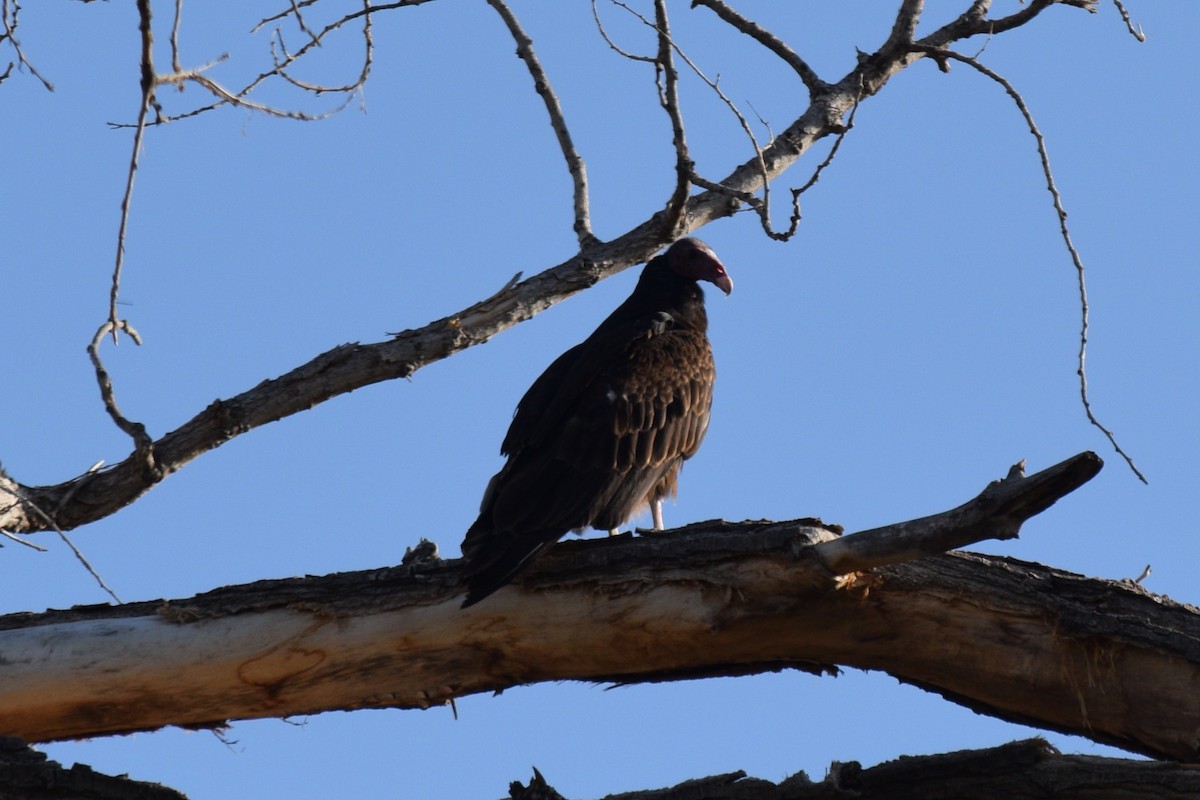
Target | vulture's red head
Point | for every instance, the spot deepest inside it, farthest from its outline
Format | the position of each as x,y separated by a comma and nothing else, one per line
693,259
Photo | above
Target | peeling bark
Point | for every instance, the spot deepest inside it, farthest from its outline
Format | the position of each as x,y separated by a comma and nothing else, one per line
26,774
1016,640
1025,769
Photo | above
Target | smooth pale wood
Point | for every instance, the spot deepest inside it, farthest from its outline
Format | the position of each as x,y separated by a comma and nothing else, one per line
1020,641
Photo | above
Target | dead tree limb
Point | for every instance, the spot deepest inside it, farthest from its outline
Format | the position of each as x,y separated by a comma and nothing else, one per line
1015,771
26,774
1027,769
1019,641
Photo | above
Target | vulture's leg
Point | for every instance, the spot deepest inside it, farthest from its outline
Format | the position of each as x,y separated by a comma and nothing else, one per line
656,512
614,532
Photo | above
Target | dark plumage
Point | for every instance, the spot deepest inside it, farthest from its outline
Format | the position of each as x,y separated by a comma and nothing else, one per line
604,430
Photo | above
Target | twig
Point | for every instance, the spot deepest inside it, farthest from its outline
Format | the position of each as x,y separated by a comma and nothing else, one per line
669,99
28,503
10,12
147,85
674,215
768,40
763,206
25,542
302,24
1137,33
142,442
367,9
114,325
175,65
240,98
294,8
349,88
541,83
794,221
604,34
940,54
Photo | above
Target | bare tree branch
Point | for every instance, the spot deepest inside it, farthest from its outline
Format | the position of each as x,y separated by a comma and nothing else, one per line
10,20
685,166
316,88
608,39
713,599
1137,32
997,513
941,55
114,325
974,21
26,774
1025,770
575,163
147,101
281,63
904,29
768,40
674,220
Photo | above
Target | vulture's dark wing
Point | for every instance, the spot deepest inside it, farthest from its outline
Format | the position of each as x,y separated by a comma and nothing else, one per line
599,434
556,391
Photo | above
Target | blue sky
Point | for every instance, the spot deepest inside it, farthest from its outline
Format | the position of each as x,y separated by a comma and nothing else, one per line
915,338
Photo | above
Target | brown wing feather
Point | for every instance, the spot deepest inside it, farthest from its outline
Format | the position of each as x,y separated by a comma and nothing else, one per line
631,425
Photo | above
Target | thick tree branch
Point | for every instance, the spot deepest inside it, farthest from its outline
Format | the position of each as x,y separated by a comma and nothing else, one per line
997,513
1101,659
26,774
1029,769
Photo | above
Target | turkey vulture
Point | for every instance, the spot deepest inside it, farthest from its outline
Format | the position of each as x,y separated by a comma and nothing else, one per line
604,430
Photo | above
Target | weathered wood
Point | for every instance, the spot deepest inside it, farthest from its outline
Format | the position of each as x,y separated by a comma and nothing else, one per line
1020,641
26,774
997,513
1026,769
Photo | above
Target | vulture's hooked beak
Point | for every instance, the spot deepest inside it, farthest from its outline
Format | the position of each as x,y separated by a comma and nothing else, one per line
723,281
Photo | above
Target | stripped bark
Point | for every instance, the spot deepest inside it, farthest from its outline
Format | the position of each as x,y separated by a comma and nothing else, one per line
26,774
1016,640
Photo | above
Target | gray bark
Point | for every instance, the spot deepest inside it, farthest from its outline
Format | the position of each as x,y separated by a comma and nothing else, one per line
1026,769
1016,640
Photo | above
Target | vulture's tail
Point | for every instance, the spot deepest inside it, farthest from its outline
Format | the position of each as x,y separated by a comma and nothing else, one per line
493,564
